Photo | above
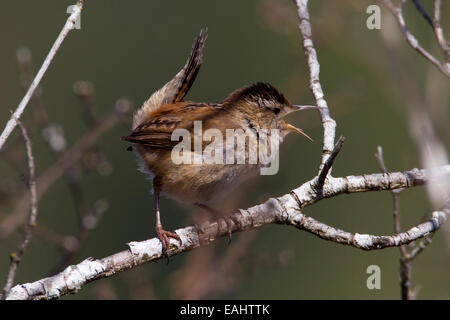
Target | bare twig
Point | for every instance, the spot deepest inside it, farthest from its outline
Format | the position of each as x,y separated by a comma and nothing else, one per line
395,193
94,158
419,249
67,160
69,25
12,150
406,258
16,257
327,166
443,44
405,265
25,66
85,92
329,125
423,12
412,41
283,210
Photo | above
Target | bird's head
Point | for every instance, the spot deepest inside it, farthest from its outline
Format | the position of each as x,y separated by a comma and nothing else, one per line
265,106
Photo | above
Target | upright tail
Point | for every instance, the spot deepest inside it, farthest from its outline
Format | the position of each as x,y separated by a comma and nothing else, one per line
177,88
190,70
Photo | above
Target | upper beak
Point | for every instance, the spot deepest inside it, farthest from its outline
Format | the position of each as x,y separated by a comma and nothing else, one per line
299,107
291,128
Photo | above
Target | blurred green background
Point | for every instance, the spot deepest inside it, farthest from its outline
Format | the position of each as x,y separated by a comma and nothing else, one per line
131,48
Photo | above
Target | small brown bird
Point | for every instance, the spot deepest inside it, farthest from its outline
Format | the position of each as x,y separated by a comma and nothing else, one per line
255,109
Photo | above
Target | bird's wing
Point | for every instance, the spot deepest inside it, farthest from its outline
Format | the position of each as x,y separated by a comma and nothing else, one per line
175,90
157,131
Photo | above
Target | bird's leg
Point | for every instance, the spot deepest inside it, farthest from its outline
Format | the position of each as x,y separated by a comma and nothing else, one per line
163,235
221,217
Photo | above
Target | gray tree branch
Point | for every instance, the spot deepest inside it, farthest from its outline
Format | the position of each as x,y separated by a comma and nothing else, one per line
17,257
283,210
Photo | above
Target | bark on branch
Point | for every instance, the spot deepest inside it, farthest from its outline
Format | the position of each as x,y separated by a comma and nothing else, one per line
283,210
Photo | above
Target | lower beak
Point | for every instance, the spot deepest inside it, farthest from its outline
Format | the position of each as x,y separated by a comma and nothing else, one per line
291,128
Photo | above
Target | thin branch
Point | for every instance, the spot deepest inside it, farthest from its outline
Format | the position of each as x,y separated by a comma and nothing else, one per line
25,66
85,92
17,257
395,193
94,158
327,166
419,249
405,265
283,210
69,25
67,160
412,41
329,125
439,32
423,12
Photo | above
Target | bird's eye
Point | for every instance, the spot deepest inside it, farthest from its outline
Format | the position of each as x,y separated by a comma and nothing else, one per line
276,110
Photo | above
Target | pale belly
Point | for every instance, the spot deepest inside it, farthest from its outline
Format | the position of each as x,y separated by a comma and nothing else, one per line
205,183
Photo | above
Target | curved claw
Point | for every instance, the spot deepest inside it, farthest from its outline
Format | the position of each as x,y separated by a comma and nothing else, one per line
164,236
229,222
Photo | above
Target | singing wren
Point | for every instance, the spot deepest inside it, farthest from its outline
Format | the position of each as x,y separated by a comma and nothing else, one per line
255,109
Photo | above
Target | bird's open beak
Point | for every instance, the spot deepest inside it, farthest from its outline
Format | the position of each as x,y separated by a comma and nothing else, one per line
291,128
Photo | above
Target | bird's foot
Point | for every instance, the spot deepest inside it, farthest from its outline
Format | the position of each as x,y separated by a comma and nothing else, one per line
228,220
222,218
164,236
